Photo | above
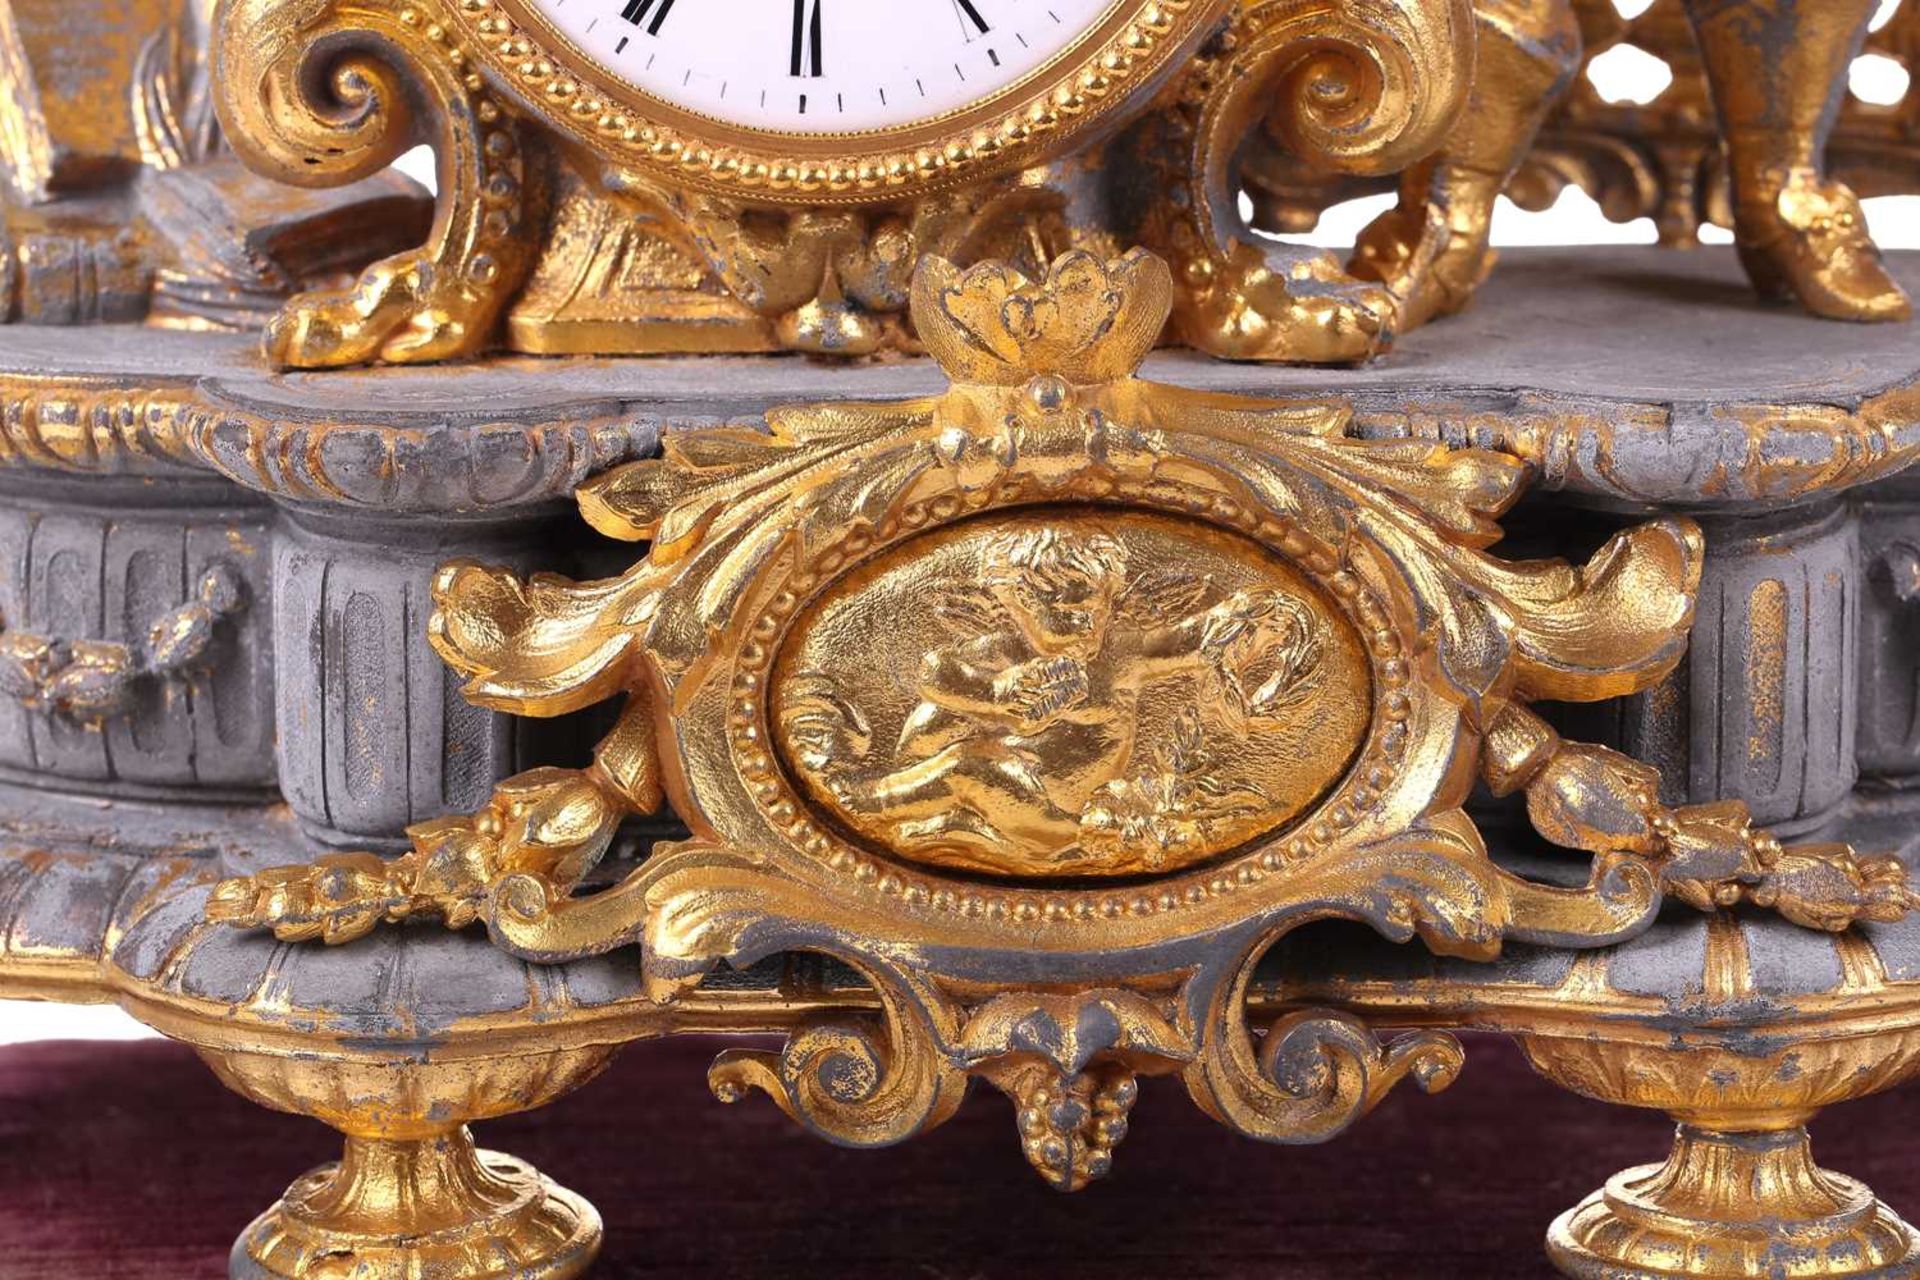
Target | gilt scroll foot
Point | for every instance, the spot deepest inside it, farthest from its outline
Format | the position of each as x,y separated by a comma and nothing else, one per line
1433,250
1360,88
321,94
1257,305
407,309
446,299
1430,267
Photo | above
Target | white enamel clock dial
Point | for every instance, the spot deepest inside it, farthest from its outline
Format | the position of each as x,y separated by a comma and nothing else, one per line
823,67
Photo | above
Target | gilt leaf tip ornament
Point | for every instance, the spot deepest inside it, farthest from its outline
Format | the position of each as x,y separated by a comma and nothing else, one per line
1087,322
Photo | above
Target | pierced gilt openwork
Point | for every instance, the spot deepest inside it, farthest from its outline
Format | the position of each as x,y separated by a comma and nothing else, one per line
1048,704
1660,159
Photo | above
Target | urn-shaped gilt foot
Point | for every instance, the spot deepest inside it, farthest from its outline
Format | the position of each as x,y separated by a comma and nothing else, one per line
429,1208
412,1198
433,1207
1733,1204
1739,1197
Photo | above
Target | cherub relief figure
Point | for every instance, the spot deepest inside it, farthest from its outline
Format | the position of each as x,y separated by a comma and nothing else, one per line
1029,718
1778,74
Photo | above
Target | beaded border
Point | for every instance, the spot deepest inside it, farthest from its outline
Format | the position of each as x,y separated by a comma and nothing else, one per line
1369,778
1096,82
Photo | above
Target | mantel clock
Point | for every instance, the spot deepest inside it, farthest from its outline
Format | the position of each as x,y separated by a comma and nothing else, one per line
1047,714
640,176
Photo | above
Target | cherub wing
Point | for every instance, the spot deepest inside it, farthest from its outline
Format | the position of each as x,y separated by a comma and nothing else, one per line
1160,596
971,611
1278,672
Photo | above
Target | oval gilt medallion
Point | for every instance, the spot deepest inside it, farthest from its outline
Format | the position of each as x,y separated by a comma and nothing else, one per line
1079,693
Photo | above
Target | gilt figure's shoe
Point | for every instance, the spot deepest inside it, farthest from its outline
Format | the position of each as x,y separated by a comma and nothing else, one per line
1810,242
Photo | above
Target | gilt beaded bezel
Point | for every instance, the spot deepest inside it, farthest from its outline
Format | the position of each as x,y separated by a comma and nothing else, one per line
1089,82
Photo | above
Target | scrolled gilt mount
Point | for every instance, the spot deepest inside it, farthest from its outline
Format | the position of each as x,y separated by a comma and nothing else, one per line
1049,704
645,176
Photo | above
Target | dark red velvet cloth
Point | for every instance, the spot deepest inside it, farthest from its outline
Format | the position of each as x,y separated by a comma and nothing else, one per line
128,1162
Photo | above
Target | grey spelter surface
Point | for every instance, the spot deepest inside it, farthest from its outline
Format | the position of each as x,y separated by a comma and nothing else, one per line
1670,344
322,690
1790,962
160,932
1670,959
407,984
1640,325
1637,324
1899,948
320,716
105,558
68,903
1668,962
403,984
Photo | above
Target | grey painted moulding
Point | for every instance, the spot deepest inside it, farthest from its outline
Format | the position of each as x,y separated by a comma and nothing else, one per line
373,733
407,988
1773,665
1636,376
1889,733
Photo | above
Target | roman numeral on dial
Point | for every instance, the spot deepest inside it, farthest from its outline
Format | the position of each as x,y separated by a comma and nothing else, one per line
807,60
637,10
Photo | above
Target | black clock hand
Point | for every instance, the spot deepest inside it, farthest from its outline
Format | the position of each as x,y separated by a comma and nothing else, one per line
637,10
971,14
